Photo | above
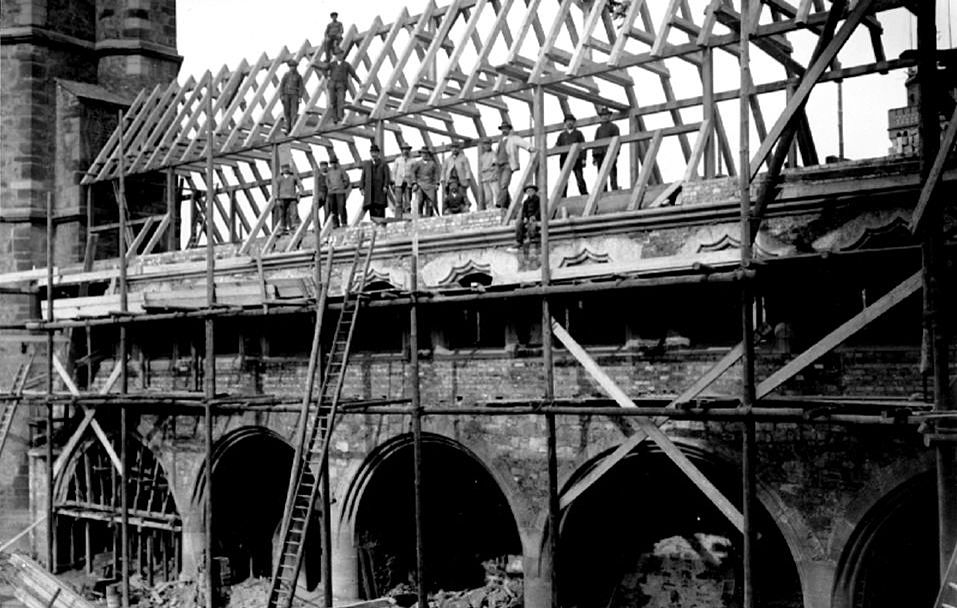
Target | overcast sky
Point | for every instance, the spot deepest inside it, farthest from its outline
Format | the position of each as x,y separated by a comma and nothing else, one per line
212,33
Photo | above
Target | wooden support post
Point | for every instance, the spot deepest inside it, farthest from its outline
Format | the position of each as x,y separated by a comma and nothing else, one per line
123,348
934,269
417,412
88,546
708,109
554,508
747,309
209,371
51,523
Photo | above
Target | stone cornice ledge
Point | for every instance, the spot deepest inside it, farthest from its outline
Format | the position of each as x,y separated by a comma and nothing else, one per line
32,34
138,47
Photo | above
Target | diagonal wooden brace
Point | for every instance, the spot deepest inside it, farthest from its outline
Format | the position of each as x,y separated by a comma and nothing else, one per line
933,180
650,429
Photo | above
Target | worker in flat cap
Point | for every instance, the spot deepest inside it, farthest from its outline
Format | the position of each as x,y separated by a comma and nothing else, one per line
488,175
426,175
402,180
321,188
374,185
456,166
606,130
333,36
291,90
339,184
526,226
571,135
338,72
288,190
506,160
455,200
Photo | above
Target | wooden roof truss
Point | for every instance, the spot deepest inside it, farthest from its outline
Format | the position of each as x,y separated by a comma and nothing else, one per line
450,73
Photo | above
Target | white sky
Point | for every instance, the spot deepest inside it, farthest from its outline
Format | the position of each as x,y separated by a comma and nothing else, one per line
212,33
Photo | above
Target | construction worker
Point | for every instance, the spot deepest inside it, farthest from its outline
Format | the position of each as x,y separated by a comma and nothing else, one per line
339,186
526,226
321,190
506,160
289,189
488,174
605,130
455,201
456,166
291,90
570,135
338,73
333,37
403,180
374,185
425,175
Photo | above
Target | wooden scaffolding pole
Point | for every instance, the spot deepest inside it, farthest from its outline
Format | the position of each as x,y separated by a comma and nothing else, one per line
934,283
124,380
51,524
554,507
416,410
747,307
209,371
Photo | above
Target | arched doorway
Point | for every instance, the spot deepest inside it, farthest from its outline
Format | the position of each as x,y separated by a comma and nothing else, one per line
891,558
88,513
251,468
644,535
467,518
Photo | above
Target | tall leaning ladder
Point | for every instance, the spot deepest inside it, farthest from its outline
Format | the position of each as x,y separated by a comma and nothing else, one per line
319,421
947,598
16,394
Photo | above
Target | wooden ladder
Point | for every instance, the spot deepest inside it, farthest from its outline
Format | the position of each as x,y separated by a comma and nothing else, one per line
320,421
947,598
16,394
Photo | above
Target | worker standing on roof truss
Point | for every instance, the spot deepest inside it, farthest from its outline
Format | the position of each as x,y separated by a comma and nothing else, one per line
291,91
374,185
506,159
333,37
606,130
570,135
339,186
338,73
289,189
321,188
457,167
403,180
426,174
488,174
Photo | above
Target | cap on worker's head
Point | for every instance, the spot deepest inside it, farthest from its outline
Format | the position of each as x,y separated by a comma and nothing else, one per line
604,111
333,14
374,148
505,125
531,187
338,52
569,116
292,62
322,162
425,150
286,169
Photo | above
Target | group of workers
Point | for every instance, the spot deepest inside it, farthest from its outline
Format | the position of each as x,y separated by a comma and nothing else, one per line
420,178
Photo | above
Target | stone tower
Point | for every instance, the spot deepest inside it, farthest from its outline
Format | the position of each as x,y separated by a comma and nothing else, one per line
67,67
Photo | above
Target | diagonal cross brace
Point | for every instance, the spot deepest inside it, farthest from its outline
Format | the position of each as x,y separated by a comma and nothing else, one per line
649,428
933,180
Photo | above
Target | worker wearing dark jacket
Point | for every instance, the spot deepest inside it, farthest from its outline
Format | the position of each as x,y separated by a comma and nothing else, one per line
526,226
290,92
374,184
570,136
333,37
339,186
606,130
338,73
